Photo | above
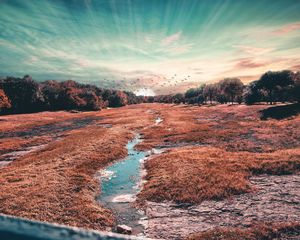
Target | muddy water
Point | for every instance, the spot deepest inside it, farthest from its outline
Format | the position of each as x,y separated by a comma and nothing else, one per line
120,184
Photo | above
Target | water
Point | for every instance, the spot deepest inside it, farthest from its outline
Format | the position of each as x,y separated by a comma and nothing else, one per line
158,120
120,184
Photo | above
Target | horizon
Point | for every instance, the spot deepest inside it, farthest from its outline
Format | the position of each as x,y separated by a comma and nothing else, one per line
148,47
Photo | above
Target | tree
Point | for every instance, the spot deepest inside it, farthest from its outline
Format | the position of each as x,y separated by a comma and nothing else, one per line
52,91
24,93
133,99
296,89
118,99
232,88
222,98
91,100
178,98
274,83
252,94
150,99
190,93
210,91
27,95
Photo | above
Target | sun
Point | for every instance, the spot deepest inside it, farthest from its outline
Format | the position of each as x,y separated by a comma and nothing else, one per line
144,92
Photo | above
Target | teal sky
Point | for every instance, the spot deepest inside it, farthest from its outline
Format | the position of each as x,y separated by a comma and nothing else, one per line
159,46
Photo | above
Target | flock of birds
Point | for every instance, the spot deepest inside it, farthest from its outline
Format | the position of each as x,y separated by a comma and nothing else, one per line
132,84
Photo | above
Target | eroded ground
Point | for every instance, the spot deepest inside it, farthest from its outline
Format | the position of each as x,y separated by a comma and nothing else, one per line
222,167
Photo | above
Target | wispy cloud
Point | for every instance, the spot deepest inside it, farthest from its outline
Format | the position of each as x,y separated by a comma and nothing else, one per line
171,39
287,29
178,49
254,50
148,39
250,63
296,67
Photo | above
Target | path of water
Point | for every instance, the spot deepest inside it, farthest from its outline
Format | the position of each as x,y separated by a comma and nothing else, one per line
120,184
121,181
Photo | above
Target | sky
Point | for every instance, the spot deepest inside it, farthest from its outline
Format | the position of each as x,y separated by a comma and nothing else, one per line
148,46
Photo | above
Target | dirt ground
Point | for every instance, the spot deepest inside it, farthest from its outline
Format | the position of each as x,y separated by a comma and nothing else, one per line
212,153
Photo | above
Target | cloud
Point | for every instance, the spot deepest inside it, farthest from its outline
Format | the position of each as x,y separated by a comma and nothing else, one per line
9,45
254,50
196,69
287,29
33,59
248,63
184,48
171,39
296,67
148,40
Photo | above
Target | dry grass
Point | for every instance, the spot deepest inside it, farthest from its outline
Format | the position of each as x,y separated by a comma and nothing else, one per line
57,183
20,122
256,232
194,174
233,145
25,122
233,128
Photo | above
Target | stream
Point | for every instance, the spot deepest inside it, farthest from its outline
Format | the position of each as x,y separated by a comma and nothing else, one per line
120,183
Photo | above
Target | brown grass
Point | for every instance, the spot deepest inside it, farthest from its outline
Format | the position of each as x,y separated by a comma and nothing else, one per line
20,122
194,174
233,128
258,231
233,145
57,183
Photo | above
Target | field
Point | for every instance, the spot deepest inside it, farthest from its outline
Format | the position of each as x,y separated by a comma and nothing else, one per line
223,169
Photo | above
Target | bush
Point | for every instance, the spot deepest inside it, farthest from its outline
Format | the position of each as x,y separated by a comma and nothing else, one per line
4,101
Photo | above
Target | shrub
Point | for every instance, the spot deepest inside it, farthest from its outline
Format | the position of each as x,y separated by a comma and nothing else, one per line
4,101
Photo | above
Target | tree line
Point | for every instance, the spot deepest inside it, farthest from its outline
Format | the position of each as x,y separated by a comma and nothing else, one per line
24,95
280,86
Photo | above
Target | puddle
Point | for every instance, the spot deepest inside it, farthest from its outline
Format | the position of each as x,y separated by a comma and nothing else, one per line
158,120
